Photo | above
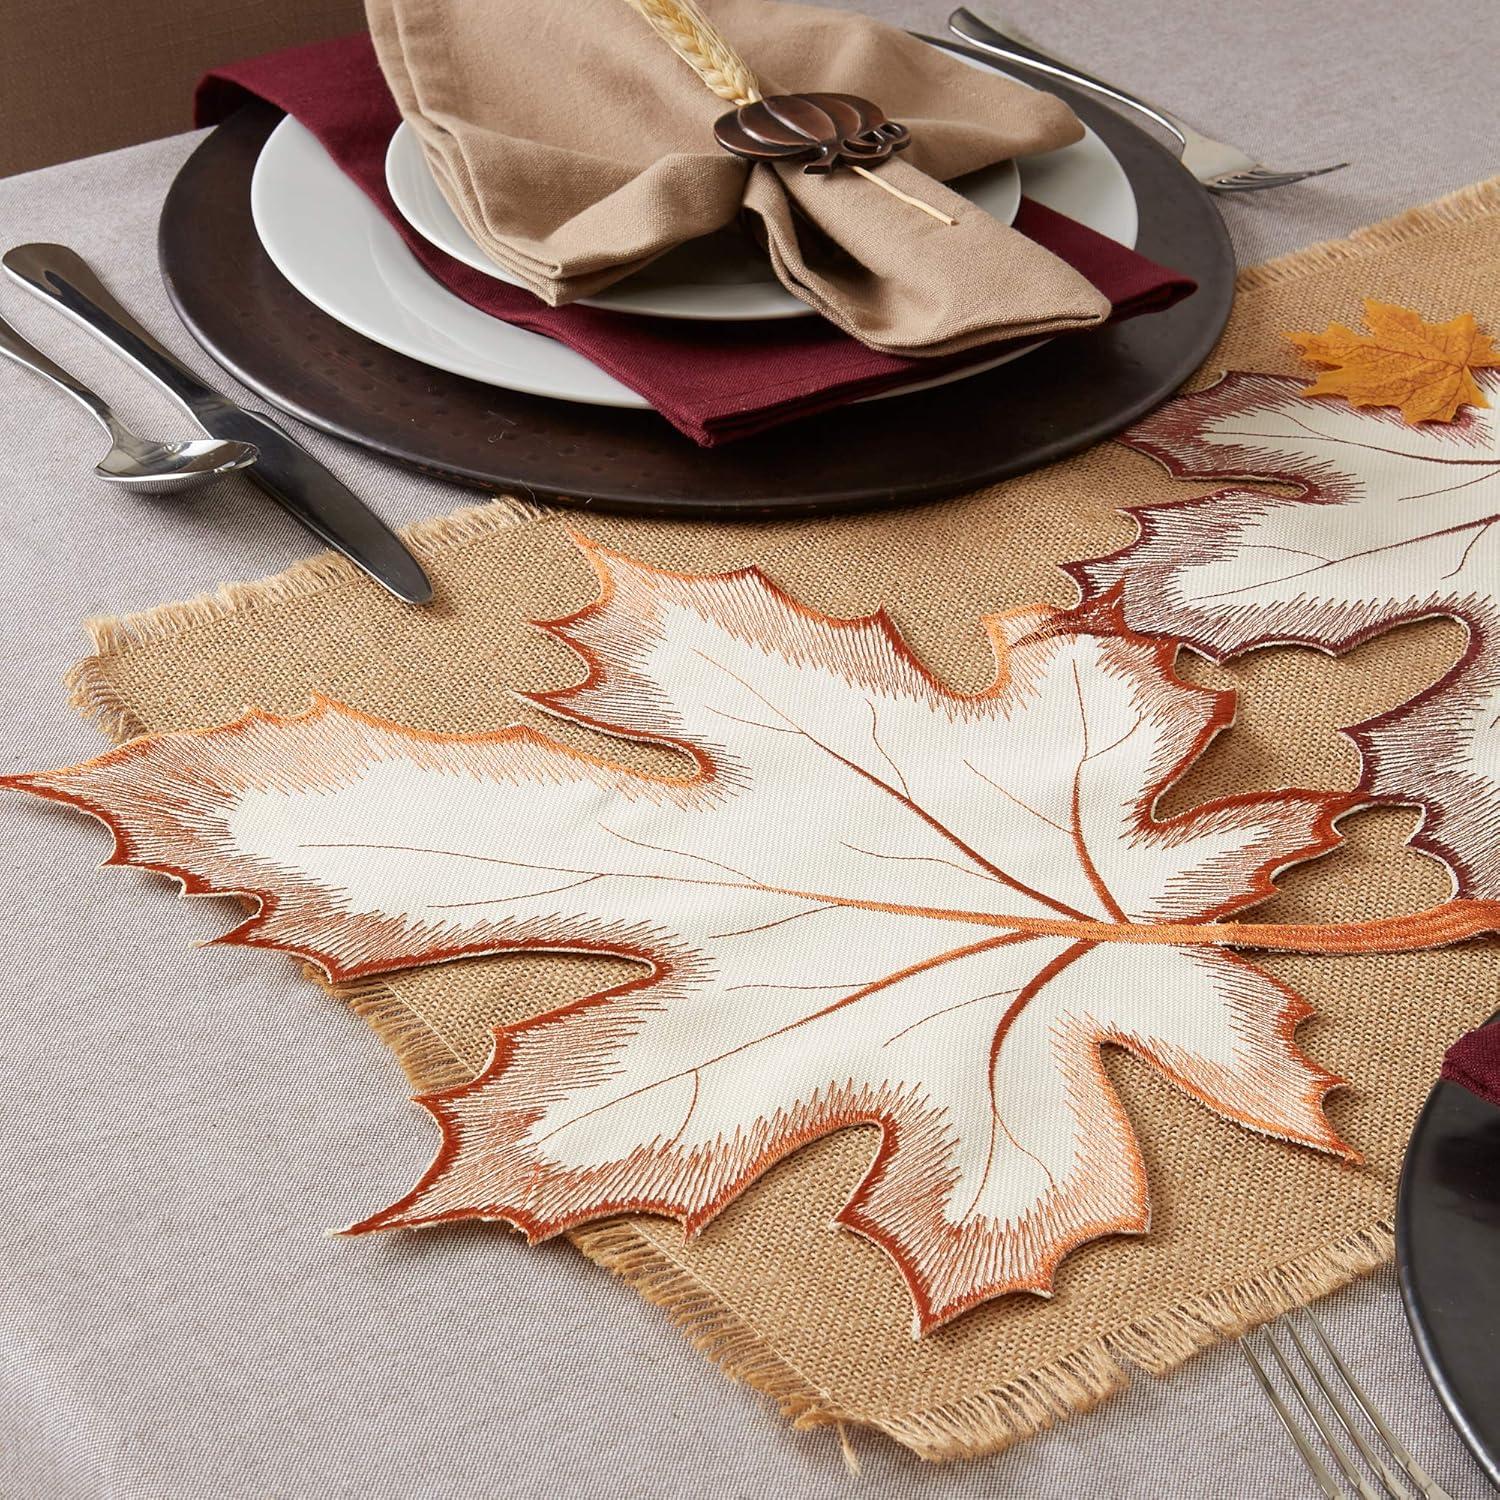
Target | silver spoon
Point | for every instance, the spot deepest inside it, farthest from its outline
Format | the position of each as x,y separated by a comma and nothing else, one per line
134,461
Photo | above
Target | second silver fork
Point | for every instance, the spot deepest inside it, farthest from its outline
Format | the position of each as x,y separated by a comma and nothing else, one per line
1329,1411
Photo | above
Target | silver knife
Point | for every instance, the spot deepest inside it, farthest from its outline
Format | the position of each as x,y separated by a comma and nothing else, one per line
289,474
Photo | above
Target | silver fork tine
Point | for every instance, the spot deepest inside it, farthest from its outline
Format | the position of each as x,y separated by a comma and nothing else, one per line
1307,172
1394,1487
1315,1465
1264,177
1330,1438
1419,1477
1244,182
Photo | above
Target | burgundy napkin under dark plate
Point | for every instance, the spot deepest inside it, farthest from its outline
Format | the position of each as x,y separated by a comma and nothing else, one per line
713,381
1474,1061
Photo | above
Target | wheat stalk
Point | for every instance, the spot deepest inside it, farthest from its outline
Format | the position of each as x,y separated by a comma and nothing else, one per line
701,45
696,40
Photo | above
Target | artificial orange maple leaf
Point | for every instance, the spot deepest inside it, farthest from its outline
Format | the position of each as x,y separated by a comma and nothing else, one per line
868,900
1425,369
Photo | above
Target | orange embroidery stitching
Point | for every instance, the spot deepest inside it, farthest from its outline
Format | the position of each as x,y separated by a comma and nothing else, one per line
872,901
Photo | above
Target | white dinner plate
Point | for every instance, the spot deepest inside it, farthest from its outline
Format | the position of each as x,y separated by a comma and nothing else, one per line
720,277
326,237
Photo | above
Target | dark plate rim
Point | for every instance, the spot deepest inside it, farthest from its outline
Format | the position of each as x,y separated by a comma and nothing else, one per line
1446,1105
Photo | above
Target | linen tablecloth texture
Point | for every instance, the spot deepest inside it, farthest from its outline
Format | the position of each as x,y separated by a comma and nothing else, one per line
715,382
576,147
1242,1227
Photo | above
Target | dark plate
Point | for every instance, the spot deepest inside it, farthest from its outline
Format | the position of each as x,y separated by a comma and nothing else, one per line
1448,1258
1061,398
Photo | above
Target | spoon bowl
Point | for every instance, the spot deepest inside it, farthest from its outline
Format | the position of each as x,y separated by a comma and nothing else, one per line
133,461
158,468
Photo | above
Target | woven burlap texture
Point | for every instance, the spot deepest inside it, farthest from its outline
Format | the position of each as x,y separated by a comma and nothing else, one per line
1243,1227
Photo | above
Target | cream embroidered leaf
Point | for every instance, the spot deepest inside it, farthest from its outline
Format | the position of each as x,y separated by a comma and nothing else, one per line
1390,523
869,900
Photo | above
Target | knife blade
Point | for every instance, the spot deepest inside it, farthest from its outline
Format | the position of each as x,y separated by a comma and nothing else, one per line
285,470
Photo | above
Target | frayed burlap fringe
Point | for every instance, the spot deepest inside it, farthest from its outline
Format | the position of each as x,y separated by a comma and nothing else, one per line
988,1421
89,688
983,1423
1462,207
709,1322
1160,1343
992,1420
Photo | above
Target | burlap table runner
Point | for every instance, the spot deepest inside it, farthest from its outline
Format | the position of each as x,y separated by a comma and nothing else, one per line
1243,1227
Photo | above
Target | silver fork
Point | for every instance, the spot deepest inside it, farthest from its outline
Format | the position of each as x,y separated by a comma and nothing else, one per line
1332,1413
1219,167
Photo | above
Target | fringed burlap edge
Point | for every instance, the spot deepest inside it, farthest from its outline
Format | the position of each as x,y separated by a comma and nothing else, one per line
1464,206
89,688
982,1423
992,1420
986,1421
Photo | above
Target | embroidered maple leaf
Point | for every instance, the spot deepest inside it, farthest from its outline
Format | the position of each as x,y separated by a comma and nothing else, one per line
1390,524
872,900
1425,369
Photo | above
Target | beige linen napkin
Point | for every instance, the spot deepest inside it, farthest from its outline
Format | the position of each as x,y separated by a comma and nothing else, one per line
575,147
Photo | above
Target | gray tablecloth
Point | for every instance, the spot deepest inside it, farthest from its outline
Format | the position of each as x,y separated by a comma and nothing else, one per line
180,1123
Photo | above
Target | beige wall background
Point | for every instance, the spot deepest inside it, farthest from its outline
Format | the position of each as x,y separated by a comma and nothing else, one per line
81,76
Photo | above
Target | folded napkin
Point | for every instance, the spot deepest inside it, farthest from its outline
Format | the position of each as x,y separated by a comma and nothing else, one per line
575,146
1474,1062
715,382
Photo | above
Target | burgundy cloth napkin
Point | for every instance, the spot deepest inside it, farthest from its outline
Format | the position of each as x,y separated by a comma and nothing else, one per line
713,381
1474,1061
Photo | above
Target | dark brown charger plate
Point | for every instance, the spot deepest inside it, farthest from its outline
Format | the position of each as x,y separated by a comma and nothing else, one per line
1447,1256
1042,407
